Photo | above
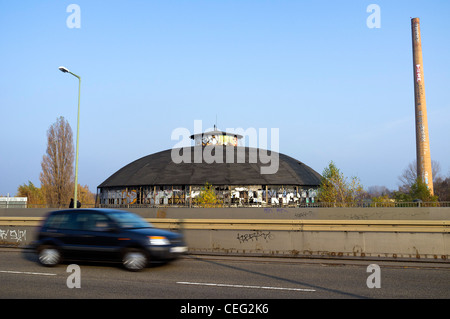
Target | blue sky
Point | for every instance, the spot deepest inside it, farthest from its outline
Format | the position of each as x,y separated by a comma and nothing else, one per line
336,89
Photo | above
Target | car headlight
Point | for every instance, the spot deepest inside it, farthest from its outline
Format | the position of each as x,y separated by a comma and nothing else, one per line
158,240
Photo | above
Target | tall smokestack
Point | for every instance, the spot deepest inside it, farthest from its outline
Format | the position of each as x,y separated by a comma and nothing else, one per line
422,139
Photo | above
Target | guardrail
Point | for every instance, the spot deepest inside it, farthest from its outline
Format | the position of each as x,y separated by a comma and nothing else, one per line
421,226
21,221
417,226
367,204
293,205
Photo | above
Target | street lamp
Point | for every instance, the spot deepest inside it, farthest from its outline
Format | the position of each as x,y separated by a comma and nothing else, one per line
65,70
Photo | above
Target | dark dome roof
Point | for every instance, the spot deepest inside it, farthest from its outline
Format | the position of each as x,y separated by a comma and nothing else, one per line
159,169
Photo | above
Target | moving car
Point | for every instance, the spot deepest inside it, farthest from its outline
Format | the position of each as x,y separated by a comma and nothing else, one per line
105,235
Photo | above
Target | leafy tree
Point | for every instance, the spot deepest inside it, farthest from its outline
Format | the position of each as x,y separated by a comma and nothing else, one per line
335,188
208,197
85,196
420,190
36,197
33,193
383,199
401,196
441,184
417,191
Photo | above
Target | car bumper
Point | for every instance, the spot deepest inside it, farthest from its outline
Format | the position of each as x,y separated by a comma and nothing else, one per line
166,252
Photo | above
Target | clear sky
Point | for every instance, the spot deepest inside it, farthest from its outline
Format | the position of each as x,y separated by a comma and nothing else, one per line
336,89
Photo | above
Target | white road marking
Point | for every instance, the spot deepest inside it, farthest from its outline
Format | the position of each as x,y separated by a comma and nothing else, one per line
242,286
27,273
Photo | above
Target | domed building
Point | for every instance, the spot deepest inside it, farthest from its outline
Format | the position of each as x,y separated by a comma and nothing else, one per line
240,176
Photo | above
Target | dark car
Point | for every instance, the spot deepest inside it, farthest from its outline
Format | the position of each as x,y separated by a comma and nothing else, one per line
105,235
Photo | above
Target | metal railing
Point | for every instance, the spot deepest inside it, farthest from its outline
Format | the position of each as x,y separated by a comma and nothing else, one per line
303,205
28,205
252,205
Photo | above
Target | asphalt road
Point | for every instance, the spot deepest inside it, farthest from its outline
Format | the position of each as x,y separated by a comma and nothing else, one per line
231,285
204,277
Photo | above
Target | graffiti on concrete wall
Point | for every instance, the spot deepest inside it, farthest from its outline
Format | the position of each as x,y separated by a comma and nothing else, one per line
255,236
14,235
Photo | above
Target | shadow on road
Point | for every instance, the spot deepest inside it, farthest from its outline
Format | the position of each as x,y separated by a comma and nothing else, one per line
303,284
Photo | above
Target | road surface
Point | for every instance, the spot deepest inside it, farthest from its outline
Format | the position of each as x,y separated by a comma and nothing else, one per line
195,279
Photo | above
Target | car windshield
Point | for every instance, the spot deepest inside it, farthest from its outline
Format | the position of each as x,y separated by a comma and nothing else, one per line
129,220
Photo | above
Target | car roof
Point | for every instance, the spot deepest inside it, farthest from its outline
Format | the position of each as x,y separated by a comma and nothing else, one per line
89,210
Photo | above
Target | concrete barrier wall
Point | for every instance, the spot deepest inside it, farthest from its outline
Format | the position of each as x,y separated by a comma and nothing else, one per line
316,244
397,233
396,239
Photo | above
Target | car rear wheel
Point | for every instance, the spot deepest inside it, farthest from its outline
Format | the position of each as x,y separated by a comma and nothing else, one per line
134,259
49,256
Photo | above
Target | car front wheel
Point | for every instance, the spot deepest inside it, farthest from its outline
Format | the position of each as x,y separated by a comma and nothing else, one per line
134,260
49,256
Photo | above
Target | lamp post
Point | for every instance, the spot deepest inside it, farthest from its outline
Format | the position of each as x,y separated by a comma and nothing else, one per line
65,70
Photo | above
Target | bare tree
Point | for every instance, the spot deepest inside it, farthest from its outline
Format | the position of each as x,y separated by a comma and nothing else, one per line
378,191
442,188
409,175
57,177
